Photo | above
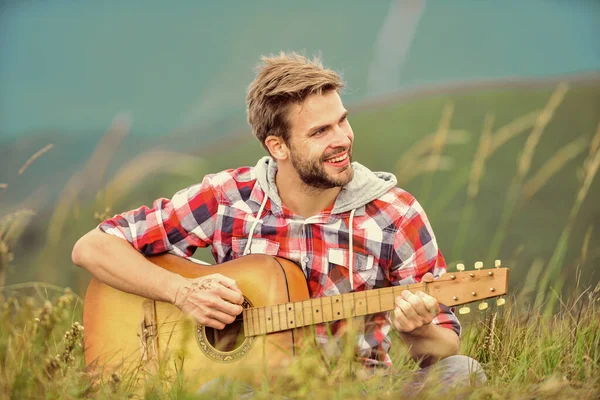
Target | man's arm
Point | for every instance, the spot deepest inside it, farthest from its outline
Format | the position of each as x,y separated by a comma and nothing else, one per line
430,331
179,225
213,300
413,317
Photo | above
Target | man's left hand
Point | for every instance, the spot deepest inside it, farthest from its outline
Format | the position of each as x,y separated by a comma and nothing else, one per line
415,310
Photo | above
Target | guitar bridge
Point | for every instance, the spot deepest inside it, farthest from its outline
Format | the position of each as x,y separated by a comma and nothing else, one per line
148,336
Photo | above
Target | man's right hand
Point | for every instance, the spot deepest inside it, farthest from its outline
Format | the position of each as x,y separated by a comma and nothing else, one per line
213,300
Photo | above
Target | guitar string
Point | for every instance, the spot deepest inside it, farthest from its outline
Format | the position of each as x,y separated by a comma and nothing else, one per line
368,294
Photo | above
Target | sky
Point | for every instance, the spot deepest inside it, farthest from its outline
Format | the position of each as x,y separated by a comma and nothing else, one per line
72,66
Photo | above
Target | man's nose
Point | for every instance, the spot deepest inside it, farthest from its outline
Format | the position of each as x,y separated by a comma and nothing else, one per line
341,137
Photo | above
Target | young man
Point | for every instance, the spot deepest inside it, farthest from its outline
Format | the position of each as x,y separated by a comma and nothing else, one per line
345,226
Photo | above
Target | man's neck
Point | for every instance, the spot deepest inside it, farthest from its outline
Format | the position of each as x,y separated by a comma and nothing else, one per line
302,199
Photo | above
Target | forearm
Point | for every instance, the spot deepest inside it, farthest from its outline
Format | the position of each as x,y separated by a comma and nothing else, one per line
431,343
114,262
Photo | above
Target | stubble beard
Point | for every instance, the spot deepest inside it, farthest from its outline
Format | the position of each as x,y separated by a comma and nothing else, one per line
314,175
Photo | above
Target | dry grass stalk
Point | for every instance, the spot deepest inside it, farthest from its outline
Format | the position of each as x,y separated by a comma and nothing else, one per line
595,144
481,155
154,161
512,129
34,157
540,125
89,180
424,166
514,191
425,146
552,166
439,141
440,137
586,245
416,155
531,281
590,169
3,185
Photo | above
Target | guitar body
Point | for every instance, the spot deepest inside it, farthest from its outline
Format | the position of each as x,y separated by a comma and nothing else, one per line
125,333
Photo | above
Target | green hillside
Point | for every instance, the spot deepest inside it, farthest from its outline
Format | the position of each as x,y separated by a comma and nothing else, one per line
385,138
384,135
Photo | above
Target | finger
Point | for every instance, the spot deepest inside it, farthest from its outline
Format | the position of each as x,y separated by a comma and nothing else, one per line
406,308
401,322
210,322
431,303
227,282
427,278
416,302
229,294
199,314
221,316
225,306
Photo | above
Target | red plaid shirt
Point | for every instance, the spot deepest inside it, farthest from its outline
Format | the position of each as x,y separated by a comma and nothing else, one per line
393,243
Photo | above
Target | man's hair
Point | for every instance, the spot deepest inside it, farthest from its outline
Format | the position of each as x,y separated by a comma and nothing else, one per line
281,81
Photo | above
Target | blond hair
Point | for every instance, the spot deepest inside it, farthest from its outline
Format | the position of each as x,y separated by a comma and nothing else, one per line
281,81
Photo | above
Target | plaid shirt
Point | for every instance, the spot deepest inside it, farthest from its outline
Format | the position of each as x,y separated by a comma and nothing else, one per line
393,244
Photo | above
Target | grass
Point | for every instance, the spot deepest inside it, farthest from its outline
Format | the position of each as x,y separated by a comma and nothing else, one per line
525,356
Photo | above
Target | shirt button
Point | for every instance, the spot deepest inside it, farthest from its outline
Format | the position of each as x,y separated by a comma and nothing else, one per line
305,259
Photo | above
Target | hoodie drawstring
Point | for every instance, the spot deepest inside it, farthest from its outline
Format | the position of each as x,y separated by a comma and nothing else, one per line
351,251
256,221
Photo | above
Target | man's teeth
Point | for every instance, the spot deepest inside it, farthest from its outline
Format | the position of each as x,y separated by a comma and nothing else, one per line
338,159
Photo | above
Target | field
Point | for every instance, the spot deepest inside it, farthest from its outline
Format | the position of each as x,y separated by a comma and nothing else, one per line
503,172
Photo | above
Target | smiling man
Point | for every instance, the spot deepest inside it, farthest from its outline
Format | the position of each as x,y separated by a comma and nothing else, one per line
348,228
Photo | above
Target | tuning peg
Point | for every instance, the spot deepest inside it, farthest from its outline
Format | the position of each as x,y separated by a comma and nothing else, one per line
478,265
483,306
464,310
497,263
460,267
500,302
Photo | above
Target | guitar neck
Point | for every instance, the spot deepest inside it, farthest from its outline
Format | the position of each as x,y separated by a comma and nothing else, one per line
262,320
451,289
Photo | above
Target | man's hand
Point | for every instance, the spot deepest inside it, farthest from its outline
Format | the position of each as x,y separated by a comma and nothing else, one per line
213,300
415,310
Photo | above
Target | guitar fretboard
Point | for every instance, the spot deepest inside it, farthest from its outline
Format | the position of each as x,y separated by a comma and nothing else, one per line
281,317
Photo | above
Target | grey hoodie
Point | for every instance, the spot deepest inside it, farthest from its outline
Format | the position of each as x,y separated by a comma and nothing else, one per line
365,187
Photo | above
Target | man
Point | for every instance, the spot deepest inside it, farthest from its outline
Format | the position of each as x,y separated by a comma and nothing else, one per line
347,227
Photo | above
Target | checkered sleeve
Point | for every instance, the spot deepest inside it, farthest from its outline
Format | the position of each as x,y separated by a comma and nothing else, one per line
415,253
179,225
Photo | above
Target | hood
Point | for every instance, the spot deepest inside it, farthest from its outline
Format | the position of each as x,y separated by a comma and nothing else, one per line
365,187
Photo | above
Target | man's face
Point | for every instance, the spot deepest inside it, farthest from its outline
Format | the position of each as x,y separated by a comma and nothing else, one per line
321,141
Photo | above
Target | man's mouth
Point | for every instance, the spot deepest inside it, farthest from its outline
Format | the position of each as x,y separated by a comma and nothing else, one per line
338,158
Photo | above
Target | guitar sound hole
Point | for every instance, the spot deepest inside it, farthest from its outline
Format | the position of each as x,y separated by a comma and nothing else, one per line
228,339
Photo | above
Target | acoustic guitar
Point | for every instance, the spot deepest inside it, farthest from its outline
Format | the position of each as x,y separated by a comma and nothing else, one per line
131,334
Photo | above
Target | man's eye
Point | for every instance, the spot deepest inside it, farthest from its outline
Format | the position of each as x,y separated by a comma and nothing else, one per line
320,131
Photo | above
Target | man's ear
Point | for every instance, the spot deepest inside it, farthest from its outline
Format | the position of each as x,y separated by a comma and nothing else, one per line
277,147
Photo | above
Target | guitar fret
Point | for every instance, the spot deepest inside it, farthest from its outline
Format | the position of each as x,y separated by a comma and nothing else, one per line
318,316
291,319
276,324
256,321
360,311
244,323
332,312
298,315
305,309
286,326
269,319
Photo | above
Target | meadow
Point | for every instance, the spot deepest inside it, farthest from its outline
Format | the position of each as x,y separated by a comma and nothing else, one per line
504,173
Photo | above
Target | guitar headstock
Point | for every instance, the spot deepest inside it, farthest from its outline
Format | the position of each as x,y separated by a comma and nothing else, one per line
457,288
